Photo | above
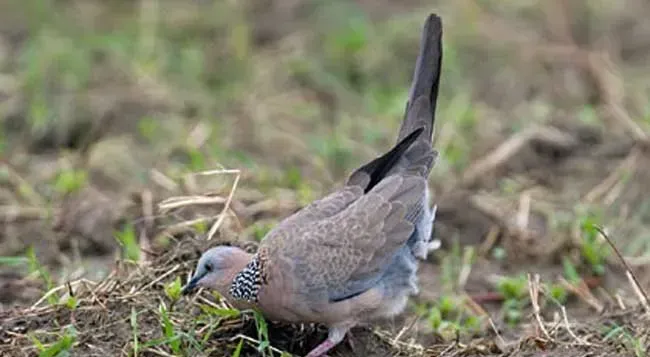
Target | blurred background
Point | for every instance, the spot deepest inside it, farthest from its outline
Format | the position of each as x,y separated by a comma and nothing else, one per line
107,107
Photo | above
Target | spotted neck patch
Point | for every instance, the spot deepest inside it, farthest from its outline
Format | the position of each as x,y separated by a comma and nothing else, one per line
247,282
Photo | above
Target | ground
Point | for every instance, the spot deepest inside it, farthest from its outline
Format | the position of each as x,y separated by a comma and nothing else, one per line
135,134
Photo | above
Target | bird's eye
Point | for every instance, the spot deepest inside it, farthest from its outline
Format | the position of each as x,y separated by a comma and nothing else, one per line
208,267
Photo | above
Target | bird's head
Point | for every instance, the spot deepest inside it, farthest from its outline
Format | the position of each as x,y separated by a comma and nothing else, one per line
217,269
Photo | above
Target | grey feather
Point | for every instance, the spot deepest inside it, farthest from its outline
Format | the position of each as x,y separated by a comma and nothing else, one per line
353,254
377,225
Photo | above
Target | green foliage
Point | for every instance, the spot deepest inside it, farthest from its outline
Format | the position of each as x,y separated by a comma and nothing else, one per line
570,271
262,333
261,229
593,249
221,313
514,291
449,318
588,115
201,227
69,181
128,240
618,332
149,128
237,351
71,303
173,289
36,267
513,287
14,261
197,160
513,311
558,293
60,348
169,331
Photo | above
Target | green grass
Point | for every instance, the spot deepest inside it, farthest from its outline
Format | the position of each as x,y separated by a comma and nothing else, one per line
449,318
35,267
69,181
261,326
60,348
514,290
128,239
594,249
173,289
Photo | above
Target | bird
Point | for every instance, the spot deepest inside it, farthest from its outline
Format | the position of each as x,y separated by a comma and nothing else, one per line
351,256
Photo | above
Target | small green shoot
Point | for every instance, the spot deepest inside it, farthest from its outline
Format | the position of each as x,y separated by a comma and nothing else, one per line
197,160
514,291
14,261
129,242
262,333
173,289
69,181
71,303
293,178
588,115
201,227
449,318
149,128
619,332
237,351
222,313
593,250
558,293
513,287
570,271
172,338
59,348
36,267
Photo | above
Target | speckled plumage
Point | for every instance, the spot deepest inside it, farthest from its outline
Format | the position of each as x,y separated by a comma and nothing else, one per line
352,255
247,282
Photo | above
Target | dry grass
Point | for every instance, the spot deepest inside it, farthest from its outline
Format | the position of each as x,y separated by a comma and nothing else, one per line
137,310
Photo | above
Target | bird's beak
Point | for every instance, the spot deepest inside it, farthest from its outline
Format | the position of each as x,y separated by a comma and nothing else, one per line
189,287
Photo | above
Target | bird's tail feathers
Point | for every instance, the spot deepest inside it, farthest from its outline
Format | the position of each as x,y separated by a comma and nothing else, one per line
423,96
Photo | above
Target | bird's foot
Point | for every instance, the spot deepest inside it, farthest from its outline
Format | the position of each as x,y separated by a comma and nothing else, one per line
322,349
334,337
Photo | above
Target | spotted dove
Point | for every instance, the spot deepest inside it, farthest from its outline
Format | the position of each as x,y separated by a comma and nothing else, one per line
351,256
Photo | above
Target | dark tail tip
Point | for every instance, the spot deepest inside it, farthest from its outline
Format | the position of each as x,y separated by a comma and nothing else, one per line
426,75
426,78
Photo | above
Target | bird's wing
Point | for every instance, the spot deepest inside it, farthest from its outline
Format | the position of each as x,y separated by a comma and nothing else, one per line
345,254
325,207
